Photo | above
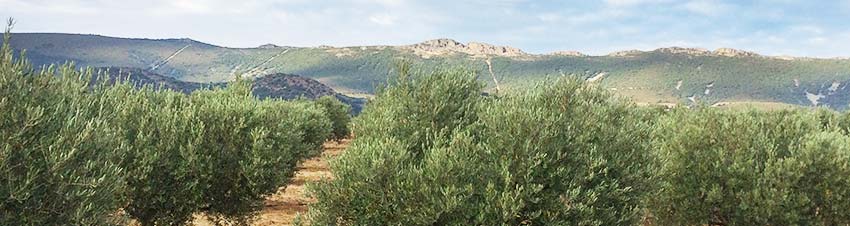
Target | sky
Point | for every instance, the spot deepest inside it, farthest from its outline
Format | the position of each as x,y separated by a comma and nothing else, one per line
813,28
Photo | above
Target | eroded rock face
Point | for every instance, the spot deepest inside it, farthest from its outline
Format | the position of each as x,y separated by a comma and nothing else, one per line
439,44
734,53
625,53
487,49
689,51
569,53
449,46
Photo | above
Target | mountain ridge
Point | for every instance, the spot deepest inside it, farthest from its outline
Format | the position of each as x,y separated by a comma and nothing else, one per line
472,47
671,75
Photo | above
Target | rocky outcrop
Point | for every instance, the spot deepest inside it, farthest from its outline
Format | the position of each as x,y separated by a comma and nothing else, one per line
729,52
680,50
477,48
626,53
568,53
449,46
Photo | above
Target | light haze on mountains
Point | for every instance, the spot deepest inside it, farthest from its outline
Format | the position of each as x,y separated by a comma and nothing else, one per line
771,27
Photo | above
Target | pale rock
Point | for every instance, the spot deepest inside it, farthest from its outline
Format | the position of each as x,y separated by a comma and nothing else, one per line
568,53
448,46
729,52
689,51
627,53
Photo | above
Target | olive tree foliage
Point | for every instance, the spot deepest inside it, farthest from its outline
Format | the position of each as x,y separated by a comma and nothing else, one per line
59,157
381,178
216,151
77,149
251,148
163,132
751,168
432,150
340,115
566,153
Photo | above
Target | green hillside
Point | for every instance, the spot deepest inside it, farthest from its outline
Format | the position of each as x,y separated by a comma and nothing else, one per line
666,76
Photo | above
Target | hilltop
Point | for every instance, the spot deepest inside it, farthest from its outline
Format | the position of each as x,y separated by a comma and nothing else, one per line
666,76
279,85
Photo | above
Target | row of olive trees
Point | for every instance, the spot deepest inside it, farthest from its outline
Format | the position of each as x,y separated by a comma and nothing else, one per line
432,150
752,168
73,152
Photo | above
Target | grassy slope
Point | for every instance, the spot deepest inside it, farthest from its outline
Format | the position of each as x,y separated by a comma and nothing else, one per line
647,77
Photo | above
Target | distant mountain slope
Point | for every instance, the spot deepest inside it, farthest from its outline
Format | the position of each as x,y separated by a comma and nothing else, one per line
283,86
666,76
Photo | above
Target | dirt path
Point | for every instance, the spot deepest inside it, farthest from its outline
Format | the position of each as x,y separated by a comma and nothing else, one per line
282,207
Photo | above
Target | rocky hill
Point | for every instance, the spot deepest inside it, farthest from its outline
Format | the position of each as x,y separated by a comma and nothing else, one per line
282,86
666,76
440,47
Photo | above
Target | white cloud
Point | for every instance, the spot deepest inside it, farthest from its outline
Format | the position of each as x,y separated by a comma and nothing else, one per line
609,14
807,29
383,19
633,2
707,7
775,39
818,40
71,7
549,17
389,2
191,6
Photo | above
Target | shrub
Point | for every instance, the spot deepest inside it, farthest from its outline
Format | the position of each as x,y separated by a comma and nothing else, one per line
431,150
566,154
163,131
749,168
421,106
218,151
251,148
381,178
77,149
311,118
813,181
58,156
844,122
339,114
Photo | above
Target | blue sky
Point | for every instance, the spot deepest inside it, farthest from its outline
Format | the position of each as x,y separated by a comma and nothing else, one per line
773,27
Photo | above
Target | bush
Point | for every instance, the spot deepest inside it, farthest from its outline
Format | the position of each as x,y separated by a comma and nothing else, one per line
422,106
312,119
381,179
58,156
77,149
566,154
814,182
251,148
164,134
750,168
431,150
339,114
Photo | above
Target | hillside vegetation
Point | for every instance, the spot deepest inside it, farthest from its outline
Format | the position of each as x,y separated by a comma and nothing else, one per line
666,76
